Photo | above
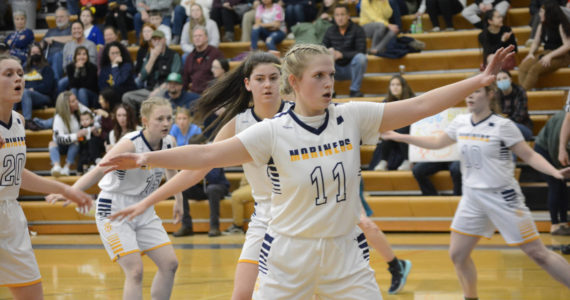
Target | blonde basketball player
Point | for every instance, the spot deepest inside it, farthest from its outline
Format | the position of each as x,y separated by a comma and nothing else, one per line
312,245
126,241
491,195
18,267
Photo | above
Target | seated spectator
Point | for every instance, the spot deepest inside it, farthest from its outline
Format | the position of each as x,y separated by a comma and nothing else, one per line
91,145
554,32
205,4
183,129
155,18
98,7
220,67
374,19
82,75
164,7
108,100
240,197
326,11
269,25
175,92
124,121
66,133
298,11
91,32
248,20
120,14
472,12
55,39
78,39
496,35
551,147
40,85
347,43
392,155
144,44
21,38
423,170
28,7
158,63
116,69
534,7
197,70
110,35
445,8
514,103
198,18
224,14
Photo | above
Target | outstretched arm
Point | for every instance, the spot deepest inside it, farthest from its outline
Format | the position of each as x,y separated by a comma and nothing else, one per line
429,142
36,183
535,160
405,112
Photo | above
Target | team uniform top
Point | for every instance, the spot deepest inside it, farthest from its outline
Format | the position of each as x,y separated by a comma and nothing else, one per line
314,165
486,158
136,182
256,173
13,155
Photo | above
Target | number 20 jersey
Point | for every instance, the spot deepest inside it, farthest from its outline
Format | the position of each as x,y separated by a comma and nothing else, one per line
486,158
314,165
13,155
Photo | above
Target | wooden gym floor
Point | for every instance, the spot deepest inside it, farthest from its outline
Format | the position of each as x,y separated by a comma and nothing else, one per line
77,267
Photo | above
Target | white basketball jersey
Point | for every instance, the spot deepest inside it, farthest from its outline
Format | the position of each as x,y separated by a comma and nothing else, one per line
136,182
315,169
13,155
486,158
257,174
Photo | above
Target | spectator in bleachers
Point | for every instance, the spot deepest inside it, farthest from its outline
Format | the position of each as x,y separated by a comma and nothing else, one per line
99,7
28,7
55,39
110,35
158,63
198,18
220,66
205,4
534,7
91,145
240,197
66,132
78,39
494,36
554,32
269,25
120,14
144,44
40,85
514,103
423,170
347,43
472,12
392,155
183,128
73,7
116,69
298,11
82,75
549,144
445,8
21,38
108,100
156,20
375,20
224,14
174,91
326,11
91,32
197,70
248,20
164,7
124,121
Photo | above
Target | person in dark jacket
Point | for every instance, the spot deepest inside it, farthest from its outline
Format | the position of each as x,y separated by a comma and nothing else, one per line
347,43
116,69
514,103
82,76
120,15
197,71
496,35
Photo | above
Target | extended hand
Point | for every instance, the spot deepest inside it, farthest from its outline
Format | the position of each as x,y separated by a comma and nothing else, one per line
124,161
129,212
496,64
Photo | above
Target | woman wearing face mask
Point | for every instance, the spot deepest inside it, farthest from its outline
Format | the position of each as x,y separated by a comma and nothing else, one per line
514,103
40,85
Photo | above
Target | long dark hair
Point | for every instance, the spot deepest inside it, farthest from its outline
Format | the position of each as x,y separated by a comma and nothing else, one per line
105,61
229,91
111,97
131,120
406,90
553,18
42,63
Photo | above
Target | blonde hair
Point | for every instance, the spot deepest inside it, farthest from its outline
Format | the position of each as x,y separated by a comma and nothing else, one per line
182,110
63,110
149,104
295,62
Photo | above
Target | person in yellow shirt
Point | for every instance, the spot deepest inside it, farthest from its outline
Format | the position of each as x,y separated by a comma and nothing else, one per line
375,20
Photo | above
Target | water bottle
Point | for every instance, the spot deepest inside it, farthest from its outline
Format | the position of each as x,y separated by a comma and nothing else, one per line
419,28
413,27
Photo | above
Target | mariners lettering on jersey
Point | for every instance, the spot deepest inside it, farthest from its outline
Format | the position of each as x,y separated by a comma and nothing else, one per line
473,136
320,150
15,142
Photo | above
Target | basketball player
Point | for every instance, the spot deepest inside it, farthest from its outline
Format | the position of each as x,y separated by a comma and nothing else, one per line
491,195
18,267
313,152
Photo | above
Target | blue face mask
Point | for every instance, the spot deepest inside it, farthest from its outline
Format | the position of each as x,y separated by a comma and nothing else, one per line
504,84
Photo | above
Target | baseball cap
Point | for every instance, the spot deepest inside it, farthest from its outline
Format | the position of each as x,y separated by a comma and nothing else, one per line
174,77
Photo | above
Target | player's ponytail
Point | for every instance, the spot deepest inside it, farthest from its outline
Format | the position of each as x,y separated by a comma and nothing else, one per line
229,92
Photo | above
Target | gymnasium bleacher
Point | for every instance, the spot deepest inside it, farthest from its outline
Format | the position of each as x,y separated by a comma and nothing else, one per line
393,195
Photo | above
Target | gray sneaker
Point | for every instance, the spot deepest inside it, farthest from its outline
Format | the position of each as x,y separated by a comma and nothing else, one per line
234,229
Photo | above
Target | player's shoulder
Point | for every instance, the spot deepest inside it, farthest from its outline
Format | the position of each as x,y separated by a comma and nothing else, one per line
133,135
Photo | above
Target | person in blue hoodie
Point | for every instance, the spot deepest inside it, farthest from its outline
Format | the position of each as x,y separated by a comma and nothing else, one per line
21,38
116,69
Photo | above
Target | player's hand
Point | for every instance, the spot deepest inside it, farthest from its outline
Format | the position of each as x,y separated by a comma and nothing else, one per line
389,135
79,197
177,212
563,173
129,212
124,161
496,64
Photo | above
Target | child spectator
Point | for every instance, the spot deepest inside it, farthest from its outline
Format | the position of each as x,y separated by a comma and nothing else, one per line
155,18
91,32
269,25
183,129
90,145
21,38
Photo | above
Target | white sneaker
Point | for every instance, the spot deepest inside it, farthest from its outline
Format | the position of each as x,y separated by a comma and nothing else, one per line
381,166
290,36
405,166
56,171
65,171
436,29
